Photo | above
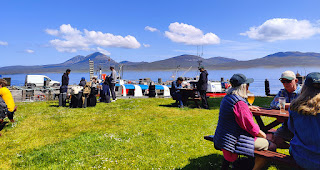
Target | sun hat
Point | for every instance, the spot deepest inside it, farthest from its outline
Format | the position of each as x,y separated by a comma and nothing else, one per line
288,75
312,79
238,79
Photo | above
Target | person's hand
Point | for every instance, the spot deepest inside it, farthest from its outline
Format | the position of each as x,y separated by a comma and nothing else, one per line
287,106
15,109
254,108
262,134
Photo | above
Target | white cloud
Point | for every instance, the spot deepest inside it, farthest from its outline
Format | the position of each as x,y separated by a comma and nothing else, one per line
72,39
3,43
190,35
101,50
151,29
29,51
146,45
282,29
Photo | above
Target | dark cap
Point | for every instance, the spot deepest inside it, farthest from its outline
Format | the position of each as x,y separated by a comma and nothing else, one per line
200,67
111,66
313,79
68,70
180,78
238,79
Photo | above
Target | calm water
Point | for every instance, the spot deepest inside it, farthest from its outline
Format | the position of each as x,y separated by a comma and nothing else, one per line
257,87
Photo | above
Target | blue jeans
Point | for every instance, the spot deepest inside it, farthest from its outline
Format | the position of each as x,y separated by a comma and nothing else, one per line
177,97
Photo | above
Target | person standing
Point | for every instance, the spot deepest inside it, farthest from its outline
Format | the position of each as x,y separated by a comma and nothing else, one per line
64,88
291,91
202,86
112,79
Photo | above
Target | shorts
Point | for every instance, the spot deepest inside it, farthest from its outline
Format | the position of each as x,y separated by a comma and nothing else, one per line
284,133
261,144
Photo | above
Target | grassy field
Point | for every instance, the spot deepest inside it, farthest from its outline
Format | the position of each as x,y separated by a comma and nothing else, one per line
126,134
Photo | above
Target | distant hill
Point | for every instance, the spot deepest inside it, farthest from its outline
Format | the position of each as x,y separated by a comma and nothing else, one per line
184,61
81,63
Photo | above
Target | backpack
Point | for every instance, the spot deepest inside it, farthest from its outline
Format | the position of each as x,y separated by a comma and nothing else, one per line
87,88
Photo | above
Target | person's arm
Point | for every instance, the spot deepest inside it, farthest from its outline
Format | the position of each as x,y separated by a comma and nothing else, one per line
275,102
245,120
290,122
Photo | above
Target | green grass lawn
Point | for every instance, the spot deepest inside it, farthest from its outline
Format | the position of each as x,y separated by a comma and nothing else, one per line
126,134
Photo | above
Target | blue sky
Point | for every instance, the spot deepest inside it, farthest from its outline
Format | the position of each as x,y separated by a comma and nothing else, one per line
48,32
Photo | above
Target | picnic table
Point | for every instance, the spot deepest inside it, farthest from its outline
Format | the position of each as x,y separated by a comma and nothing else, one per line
190,94
280,118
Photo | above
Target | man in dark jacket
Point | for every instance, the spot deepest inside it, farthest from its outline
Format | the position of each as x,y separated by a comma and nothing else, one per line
202,87
64,88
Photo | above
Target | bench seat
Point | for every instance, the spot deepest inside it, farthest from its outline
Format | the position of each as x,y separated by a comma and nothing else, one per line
270,155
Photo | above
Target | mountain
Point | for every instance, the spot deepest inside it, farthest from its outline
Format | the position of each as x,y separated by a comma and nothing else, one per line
74,60
280,59
81,63
182,61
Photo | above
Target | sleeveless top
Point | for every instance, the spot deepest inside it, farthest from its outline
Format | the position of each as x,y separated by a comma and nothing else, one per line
229,135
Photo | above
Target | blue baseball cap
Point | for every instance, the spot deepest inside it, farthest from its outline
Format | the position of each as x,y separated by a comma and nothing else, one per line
238,79
312,79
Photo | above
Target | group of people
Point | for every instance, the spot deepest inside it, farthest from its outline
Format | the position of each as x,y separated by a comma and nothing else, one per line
202,85
237,133
90,89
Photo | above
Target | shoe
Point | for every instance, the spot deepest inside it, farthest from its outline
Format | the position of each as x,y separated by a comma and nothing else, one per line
181,106
113,100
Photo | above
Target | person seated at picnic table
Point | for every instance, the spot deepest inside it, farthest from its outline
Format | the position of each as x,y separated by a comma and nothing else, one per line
304,123
175,91
237,133
105,91
92,99
82,82
291,91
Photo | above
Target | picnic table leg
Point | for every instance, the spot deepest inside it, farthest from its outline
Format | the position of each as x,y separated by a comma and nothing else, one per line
271,125
260,123
225,165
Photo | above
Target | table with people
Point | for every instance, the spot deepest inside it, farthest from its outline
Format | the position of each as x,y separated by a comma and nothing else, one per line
197,91
238,134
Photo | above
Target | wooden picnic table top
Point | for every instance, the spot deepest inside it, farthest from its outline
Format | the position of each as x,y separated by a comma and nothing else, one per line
271,113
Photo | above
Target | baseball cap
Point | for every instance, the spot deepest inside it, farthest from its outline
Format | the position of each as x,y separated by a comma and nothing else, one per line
238,79
312,79
288,75
200,67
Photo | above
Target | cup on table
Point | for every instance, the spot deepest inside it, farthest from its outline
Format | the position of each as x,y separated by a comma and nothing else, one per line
282,102
250,98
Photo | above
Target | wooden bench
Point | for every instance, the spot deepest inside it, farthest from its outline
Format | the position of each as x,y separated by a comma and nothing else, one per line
270,155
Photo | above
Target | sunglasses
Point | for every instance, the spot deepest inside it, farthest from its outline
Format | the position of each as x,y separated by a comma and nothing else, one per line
286,81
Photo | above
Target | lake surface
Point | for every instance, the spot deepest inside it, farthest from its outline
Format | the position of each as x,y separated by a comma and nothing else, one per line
257,87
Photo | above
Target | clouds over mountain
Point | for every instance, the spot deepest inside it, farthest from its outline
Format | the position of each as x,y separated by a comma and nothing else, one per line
282,29
71,39
190,35
3,43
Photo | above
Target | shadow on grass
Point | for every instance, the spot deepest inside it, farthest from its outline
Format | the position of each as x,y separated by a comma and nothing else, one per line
2,125
53,105
213,161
